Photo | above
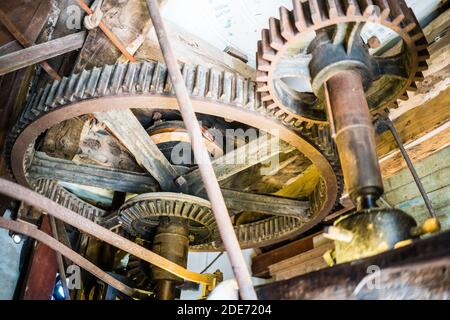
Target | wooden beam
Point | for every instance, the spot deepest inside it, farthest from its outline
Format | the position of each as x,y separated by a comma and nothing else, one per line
270,205
257,151
418,150
41,52
127,128
261,263
45,167
25,42
31,28
417,122
40,278
311,260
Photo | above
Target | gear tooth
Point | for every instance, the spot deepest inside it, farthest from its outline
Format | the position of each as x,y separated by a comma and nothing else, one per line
267,50
188,73
367,7
276,40
416,36
103,82
115,86
409,26
333,9
270,105
281,115
262,87
413,87
59,96
419,76
423,65
266,97
227,88
92,82
421,44
239,90
384,8
288,119
129,82
395,105
397,15
70,88
424,55
214,84
49,101
262,76
158,78
200,81
287,24
315,11
404,97
262,64
81,85
351,8
300,16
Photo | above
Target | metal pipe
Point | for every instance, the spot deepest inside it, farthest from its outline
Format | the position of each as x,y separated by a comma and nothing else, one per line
413,171
16,191
33,232
212,187
59,260
355,138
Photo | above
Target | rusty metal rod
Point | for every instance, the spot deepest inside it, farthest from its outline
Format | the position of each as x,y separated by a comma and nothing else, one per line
59,260
116,41
16,191
410,165
32,231
212,187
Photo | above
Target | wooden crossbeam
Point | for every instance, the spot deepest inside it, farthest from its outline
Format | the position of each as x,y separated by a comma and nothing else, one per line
270,205
126,127
257,151
41,52
45,167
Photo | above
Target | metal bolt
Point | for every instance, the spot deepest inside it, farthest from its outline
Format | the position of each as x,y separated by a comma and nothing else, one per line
180,181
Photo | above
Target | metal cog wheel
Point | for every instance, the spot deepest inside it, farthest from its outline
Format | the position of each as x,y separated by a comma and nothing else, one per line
147,86
140,215
290,72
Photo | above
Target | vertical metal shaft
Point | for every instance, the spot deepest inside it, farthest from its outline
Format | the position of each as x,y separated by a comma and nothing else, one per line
413,171
171,242
212,187
355,138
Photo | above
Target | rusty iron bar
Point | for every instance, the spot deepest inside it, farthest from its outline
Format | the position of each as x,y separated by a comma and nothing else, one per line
386,122
22,39
59,260
212,187
116,41
355,137
16,191
32,232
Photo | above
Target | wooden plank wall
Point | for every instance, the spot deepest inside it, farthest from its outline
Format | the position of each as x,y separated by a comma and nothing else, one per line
434,172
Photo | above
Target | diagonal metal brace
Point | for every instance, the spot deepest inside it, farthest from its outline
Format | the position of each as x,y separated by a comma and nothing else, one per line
384,123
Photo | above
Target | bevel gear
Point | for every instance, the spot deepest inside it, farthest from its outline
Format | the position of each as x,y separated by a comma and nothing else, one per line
300,51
